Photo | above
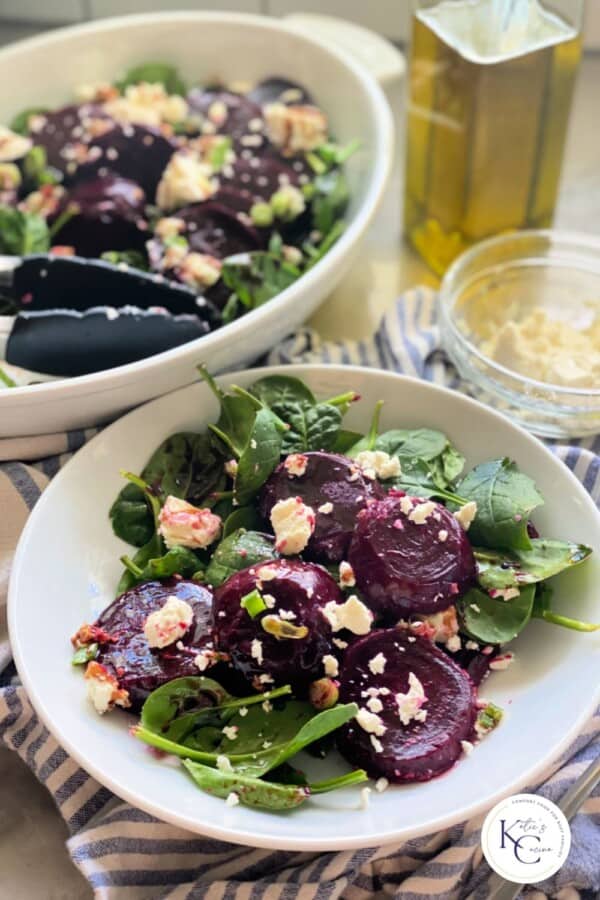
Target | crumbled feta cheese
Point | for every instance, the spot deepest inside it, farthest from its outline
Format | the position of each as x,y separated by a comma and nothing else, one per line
466,514
339,643
295,129
376,744
381,785
97,91
377,664
347,577
168,624
378,464
295,464
331,665
200,270
169,226
365,797
410,703
353,615
266,573
186,179
474,607
265,679
256,650
370,722
224,763
204,660
454,643
267,744
103,688
502,662
472,645
232,799
293,523
285,613
147,104
267,706
217,113
421,512
508,593
467,747
439,627
243,711
442,535
325,508
374,704
184,525
13,146
406,505
230,732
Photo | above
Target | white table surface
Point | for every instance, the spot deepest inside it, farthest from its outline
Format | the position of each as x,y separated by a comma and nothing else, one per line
33,860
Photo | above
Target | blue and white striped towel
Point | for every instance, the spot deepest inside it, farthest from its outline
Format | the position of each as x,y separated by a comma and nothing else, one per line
127,854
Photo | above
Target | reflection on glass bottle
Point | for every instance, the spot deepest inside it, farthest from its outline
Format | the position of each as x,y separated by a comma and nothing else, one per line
490,89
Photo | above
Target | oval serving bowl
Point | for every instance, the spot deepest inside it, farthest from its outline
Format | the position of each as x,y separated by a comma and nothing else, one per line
550,690
45,70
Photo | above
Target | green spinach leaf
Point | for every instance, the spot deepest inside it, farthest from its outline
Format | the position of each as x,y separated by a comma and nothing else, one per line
242,517
282,389
20,122
154,73
238,551
309,427
542,610
505,498
135,259
258,277
330,197
498,570
495,621
22,233
259,457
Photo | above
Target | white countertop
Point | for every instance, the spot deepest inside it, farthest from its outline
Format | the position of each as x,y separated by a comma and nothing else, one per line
33,859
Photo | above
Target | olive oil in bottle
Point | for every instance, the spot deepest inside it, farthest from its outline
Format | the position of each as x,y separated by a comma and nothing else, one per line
487,118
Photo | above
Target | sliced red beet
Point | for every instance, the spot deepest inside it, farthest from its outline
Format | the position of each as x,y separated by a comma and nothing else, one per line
279,90
408,563
233,114
262,176
475,662
328,479
138,668
417,750
299,591
66,134
216,230
111,216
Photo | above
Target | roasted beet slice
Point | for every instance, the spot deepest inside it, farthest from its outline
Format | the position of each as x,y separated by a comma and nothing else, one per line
216,230
136,152
297,593
419,749
230,113
279,90
111,216
260,176
138,668
410,556
66,134
328,480
475,662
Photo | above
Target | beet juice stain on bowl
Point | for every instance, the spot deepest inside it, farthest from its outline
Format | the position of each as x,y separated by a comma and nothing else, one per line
323,589
234,193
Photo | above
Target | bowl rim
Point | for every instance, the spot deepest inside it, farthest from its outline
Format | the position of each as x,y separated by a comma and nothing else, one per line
385,836
450,286
380,170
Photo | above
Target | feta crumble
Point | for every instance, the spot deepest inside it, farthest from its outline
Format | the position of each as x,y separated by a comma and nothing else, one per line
410,703
378,464
230,732
325,508
186,179
295,129
347,577
185,525
224,763
103,688
442,535
169,623
377,664
370,722
331,665
256,651
502,662
454,643
381,785
465,515
374,704
232,799
295,464
200,270
376,744
353,615
421,512
147,104
467,747
293,523
365,797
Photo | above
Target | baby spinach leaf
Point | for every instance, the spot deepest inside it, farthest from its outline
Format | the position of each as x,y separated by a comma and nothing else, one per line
135,567
244,517
258,277
238,551
236,417
259,457
310,427
542,610
498,570
344,441
250,791
133,258
330,197
505,498
495,621
20,123
421,479
176,561
22,233
282,389
131,518
154,73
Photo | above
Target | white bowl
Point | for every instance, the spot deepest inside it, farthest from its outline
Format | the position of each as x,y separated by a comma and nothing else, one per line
46,69
67,565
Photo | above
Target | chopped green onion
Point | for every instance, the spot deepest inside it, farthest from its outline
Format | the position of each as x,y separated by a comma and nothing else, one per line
218,154
316,164
6,379
83,655
488,718
253,603
261,214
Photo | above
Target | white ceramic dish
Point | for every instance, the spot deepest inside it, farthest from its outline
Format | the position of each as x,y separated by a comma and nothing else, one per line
46,69
66,568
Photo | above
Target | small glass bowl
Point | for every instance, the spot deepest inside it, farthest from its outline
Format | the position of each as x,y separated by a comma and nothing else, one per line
506,280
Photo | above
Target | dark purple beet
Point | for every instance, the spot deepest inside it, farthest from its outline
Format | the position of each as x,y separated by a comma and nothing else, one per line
111,216
261,176
299,588
139,669
136,152
279,90
241,114
66,134
402,567
214,229
476,663
328,478
417,751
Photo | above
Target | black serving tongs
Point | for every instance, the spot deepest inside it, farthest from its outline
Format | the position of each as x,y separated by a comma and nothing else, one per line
75,316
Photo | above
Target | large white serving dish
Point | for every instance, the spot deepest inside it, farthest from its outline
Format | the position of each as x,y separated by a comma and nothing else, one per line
205,46
67,565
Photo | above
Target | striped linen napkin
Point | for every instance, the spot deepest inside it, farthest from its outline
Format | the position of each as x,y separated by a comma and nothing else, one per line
127,854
